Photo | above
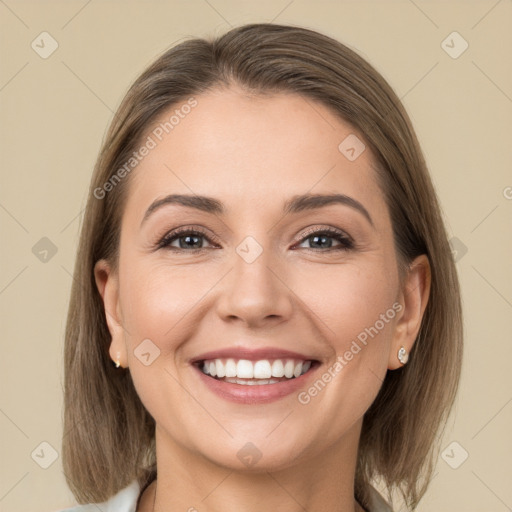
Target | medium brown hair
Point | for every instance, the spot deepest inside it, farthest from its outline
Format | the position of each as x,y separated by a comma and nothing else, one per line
108,434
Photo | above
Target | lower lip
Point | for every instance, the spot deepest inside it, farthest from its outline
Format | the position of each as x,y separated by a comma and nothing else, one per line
255,394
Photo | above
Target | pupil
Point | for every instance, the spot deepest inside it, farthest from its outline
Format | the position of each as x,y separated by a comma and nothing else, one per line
194,241
323,240
188,241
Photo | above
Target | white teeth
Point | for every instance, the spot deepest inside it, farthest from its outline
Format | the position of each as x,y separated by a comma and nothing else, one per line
220,369
244,369
288,369
252,382
230,367
277,368
260,371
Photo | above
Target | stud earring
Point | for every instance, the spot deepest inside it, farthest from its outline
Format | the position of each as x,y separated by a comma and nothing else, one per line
403,357
117,360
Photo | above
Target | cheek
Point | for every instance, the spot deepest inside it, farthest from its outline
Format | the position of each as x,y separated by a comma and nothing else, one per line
157,299
157,303
355,304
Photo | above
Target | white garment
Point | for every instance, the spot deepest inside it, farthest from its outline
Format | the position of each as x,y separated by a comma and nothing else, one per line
126,501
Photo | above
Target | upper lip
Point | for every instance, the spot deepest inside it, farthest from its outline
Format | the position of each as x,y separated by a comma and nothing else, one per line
252,354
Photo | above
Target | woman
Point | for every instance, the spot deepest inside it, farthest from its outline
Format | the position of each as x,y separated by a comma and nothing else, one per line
265,313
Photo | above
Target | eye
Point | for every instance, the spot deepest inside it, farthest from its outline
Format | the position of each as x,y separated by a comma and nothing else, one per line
322,240
186,238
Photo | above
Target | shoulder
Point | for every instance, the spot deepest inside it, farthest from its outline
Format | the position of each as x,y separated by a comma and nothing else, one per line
377,502
124,501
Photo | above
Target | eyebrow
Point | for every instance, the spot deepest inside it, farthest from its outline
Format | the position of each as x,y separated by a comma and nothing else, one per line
294,205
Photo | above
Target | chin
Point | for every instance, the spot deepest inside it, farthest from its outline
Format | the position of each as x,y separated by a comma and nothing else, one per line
255,454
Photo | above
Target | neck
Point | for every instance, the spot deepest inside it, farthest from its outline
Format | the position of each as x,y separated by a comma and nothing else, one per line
188,481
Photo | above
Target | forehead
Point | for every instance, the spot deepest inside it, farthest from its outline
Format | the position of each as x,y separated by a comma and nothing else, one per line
252,151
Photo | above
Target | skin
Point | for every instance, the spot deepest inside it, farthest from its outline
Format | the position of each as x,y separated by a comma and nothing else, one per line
254,153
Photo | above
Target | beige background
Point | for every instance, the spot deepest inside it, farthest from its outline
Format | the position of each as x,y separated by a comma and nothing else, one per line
55,112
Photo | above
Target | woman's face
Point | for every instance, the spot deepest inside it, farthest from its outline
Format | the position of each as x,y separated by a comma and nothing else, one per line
260,271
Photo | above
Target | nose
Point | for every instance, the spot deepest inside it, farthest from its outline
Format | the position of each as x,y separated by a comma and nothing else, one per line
255,293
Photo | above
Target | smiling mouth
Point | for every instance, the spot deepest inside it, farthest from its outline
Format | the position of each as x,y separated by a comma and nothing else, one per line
261,372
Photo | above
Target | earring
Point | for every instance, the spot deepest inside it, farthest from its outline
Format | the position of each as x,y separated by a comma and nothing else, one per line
117,360
403,357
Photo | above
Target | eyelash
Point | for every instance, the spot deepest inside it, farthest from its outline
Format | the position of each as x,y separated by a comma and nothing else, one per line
346,242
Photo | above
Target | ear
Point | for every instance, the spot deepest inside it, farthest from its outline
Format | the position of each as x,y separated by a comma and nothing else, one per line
108,285
413,297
